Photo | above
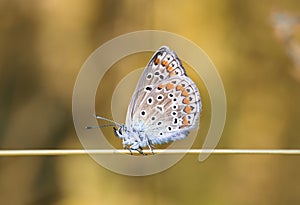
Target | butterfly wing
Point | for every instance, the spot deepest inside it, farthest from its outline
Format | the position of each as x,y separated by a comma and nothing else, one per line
177,113
153,73
166,103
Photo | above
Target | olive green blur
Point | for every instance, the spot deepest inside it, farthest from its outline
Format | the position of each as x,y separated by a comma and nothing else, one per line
43,45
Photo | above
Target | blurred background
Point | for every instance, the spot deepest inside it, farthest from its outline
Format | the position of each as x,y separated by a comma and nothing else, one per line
255,47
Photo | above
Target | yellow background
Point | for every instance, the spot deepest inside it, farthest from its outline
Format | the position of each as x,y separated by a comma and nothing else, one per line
43,45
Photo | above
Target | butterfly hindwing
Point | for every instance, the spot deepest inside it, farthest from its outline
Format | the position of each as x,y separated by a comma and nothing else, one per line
175,110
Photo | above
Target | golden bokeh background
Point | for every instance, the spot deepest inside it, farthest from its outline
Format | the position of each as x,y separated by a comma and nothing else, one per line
43,45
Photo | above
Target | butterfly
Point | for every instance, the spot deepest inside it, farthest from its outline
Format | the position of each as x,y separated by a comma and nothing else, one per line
165,105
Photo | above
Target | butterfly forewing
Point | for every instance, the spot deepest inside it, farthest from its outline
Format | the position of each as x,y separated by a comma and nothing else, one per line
166,103
163,64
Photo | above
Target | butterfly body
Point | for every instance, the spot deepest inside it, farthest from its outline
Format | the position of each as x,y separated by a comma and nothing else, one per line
165,105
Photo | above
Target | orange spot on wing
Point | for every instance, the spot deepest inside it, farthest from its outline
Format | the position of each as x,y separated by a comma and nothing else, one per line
156,61
186,101
184,93
185,121
187,109
161,86
169,68
164,63
170,86
179,87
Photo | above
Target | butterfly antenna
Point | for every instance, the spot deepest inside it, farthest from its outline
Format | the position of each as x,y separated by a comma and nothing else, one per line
108,120
101,126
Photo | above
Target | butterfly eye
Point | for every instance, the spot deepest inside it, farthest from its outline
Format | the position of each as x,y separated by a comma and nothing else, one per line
118,132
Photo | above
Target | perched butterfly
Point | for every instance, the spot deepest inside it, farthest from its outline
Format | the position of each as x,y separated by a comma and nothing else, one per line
165,105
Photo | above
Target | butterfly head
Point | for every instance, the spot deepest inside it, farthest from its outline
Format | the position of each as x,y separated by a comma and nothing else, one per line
130,139
121,131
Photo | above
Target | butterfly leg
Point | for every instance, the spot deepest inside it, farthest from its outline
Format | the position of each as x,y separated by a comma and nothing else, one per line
150,147
130,150
136,146
140,150
125,146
